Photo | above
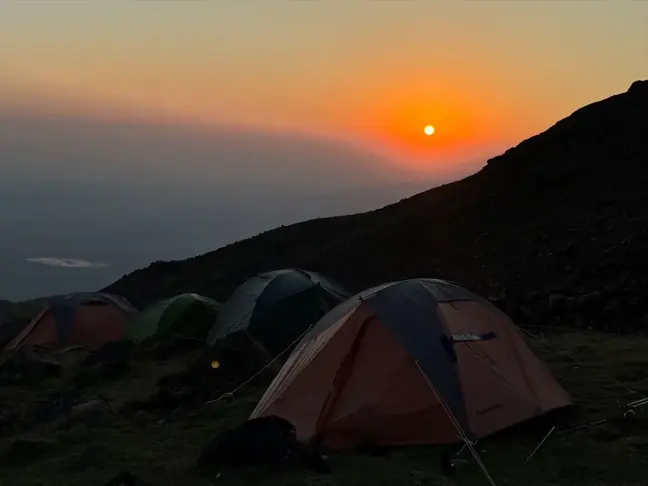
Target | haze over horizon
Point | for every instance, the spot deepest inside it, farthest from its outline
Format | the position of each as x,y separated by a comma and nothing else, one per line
135,131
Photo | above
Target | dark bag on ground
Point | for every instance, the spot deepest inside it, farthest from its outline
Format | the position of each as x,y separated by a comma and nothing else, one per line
264,441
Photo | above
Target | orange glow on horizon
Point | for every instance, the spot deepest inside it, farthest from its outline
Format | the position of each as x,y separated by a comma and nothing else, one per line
464,123
388,115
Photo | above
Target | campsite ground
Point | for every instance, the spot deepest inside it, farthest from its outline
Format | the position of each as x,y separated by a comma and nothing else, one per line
602,372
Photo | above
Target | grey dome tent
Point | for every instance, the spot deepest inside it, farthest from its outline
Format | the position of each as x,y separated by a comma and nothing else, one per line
277,307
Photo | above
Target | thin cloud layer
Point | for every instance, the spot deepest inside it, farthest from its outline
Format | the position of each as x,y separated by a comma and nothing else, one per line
66,262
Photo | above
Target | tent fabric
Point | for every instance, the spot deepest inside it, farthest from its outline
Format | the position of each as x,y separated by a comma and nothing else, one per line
277,307
419,361
183,314
78,319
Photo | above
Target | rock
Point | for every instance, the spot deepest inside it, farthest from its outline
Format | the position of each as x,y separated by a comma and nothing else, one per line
8,418
586,302
163,399
53,405
92,457
101,372
612,310
569,250
27,450
45,367
525,314
556,303
606,433
95,412
612,288
125,478
500,298
28,367
164,350
570,304
111,352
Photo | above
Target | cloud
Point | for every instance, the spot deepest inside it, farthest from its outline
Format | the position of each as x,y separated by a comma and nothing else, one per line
67,262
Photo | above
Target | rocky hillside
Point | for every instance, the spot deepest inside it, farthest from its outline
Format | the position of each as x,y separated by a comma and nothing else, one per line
554,229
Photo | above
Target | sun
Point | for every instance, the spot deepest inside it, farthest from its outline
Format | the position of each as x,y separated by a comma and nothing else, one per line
429,130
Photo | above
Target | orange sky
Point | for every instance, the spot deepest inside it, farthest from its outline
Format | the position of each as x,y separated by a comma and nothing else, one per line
485,74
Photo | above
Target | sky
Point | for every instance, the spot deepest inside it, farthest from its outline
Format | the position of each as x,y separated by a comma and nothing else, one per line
486,74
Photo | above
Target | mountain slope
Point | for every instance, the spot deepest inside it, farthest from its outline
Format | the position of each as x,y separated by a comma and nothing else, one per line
554,228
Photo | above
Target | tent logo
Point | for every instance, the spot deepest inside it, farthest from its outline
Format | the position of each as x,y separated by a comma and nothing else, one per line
490,409
473,337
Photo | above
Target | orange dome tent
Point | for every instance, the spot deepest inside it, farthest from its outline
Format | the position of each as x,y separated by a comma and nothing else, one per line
81,318
418,361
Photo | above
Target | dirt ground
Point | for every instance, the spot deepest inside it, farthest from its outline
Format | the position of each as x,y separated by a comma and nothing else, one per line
603,373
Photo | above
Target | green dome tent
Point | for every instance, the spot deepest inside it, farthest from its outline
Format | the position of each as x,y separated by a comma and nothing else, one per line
276,307
185,314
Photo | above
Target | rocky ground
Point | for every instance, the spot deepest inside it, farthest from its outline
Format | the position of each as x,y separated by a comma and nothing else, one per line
71,419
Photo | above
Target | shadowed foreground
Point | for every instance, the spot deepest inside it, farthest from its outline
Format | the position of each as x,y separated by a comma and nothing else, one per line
602,372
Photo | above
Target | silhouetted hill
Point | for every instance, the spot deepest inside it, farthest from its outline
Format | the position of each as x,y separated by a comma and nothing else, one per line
555,228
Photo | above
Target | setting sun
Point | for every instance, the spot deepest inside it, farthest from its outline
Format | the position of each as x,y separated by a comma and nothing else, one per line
429,130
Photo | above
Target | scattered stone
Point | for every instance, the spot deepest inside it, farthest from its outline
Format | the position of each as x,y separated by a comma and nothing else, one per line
612,288
606,433
570,304
586,302
527,315
569,250
8,418
95,412
25,367
612,310
27,450
168,348
125,478
101,372
556,303
92,457
53,405
112,352
69,349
